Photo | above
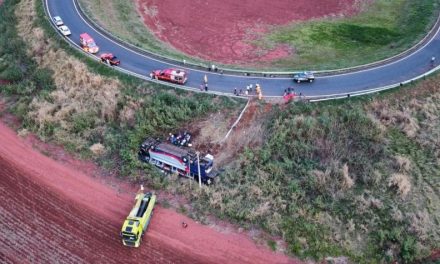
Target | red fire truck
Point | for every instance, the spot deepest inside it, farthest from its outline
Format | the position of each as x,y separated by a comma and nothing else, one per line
87,43
111,59
171,75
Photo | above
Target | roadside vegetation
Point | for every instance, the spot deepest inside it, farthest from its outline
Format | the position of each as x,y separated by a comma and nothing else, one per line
85,106
358,178
382,29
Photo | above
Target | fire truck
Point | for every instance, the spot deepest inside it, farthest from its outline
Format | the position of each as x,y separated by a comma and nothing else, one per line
138,219
170,75
110,59
87,43
181,160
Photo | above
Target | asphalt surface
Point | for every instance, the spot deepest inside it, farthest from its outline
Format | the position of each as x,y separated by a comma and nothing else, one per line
411,66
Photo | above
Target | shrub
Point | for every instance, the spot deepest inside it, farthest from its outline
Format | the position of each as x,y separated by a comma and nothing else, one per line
12,73
98,149
401,182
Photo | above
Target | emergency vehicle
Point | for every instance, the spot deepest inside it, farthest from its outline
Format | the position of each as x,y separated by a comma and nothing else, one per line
87,43
137,221
170,75
111,59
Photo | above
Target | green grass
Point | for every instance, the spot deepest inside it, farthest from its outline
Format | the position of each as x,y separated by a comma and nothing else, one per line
295,184
27,80
383,29
272,245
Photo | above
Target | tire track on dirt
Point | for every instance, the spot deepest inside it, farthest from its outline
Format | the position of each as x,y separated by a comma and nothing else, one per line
50,213
36,228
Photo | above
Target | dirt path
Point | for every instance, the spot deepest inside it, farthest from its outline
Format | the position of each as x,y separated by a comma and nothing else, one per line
53,214
223,30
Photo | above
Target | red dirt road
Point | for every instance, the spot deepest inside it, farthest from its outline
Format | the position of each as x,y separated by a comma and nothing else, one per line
50,213
222,30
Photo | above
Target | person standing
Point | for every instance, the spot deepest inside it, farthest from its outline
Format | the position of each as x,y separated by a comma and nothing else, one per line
206,87
259,91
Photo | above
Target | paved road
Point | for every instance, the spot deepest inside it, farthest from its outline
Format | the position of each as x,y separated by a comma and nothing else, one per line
395,72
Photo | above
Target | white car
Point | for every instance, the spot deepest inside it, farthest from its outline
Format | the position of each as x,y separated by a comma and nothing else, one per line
58,21
64,30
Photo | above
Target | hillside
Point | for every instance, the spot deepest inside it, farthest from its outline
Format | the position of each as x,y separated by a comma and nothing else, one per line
358,178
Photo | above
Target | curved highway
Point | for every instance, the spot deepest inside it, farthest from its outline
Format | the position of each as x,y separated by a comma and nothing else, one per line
411,66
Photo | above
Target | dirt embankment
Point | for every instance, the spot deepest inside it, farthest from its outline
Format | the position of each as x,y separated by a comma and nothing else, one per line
224,30
52,213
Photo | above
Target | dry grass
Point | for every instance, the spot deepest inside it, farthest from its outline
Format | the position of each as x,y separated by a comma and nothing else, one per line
401,182
248,133
23,132
98,149
347,182
422,224
78,91
402,164
389,116
214,128
415,112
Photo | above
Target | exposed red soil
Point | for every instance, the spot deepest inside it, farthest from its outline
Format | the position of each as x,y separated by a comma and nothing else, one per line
223,30
52,213
435,255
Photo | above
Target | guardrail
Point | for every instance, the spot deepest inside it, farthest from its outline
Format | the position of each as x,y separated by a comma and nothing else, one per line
268,74
316,98
370,91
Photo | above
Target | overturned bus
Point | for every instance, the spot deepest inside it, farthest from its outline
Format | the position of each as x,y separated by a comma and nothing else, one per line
174,159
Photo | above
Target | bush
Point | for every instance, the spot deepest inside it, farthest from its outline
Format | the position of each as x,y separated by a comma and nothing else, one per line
43,79
82,122
12,73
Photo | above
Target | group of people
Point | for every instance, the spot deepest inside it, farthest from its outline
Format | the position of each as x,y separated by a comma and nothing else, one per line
289,94
180,139
249,90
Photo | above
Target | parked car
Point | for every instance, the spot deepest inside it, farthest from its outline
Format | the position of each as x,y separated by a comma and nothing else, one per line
110,59
64,30
58,21
303,77
171,75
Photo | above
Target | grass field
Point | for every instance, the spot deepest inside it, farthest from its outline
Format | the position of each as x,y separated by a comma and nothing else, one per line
358,178
353,178
383,29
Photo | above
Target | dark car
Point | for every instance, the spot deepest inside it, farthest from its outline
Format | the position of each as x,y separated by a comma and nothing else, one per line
110,59
303,77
